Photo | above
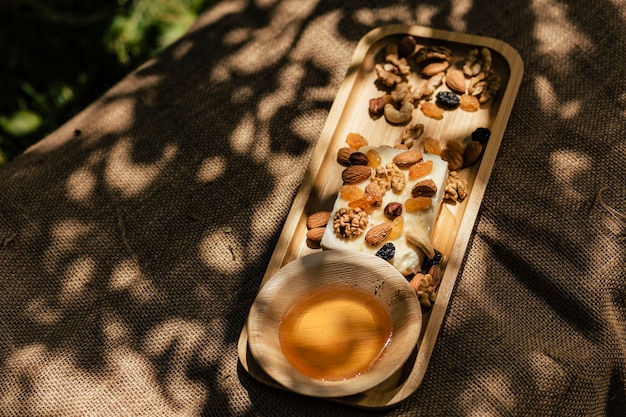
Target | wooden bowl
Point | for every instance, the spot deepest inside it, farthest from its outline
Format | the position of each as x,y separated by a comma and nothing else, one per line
316,326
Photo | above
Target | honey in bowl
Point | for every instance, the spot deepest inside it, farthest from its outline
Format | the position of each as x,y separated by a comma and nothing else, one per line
335,333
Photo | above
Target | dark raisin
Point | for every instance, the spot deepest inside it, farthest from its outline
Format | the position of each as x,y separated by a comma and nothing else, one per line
387,251
447,100
429,262
481,135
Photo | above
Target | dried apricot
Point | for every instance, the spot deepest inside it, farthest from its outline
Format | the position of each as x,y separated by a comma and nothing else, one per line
356,140
351,192
417,203
374,158
397,226
469,103
432,146
431,110
420,169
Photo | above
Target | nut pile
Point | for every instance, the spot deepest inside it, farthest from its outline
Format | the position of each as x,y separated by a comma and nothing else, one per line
470,82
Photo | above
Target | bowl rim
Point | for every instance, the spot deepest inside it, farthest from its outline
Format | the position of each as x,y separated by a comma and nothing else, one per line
383,278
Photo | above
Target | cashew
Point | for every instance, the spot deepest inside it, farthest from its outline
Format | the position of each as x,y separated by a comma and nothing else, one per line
399,116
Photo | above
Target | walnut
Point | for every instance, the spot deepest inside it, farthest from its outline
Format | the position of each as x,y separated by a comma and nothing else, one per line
389,177
410,135
456,188
350,222
386,75
428,54
428,87
392,57
477,61
485,86
424,286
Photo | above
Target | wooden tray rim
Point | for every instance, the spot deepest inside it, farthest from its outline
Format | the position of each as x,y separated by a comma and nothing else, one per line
280,255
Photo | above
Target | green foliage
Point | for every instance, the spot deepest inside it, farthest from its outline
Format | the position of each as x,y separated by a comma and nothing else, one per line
60,55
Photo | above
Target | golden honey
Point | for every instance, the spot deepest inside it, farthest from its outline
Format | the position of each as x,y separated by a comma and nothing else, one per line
335,333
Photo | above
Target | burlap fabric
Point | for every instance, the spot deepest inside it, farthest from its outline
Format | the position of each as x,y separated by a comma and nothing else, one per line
134,238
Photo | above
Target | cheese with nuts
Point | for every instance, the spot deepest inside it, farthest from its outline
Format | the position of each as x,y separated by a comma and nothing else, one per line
413,243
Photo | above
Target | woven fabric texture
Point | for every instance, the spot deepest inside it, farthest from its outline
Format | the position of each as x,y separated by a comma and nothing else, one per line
133,239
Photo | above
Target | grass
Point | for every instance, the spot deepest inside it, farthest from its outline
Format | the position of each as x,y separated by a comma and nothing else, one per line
60,55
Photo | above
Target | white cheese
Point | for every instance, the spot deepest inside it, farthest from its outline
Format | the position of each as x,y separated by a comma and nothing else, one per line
408,258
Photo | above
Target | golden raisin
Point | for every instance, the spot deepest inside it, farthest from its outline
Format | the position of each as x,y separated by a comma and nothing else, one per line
374,158
420,169
432,146
351,192
431,110
364,202
355,140
417,203
469,103
397,226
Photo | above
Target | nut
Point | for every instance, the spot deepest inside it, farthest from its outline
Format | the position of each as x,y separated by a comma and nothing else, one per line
378,233
377,105
318,219
472,152
425,188
436,274
435,68
358,158
315,235
453,157
343,155
355,174
375,191
398,116
393,210
407,158
455,80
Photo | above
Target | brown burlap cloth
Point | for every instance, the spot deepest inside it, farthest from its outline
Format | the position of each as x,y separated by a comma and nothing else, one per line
133,239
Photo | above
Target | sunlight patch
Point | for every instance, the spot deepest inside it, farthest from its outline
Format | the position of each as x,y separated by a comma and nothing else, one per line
78,275
211,169
460,8
555,34
242,137
81,185
128,177
425,13
222,252
566,166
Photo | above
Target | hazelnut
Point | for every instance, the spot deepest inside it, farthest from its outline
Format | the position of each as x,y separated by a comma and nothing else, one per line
393,210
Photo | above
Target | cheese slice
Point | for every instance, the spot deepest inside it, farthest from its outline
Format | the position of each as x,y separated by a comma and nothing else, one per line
408,258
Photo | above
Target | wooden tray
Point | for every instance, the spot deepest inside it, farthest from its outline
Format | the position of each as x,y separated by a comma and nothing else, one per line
349,113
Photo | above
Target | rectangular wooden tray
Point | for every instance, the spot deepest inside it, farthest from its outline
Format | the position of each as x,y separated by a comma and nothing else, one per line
349,113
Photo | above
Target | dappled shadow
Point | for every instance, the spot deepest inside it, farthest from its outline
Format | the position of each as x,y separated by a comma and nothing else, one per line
133,239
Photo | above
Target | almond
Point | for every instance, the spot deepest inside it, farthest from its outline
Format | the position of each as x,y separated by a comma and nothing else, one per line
378,233
355,174
318,219
453,157
455,80
472,152
425,188
315,235
343,155
435,68
375,191
407,158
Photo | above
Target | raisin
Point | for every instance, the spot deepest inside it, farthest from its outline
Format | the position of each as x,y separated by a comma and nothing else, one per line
374,158
447,100
481,135
431,110
397,227
435,260
355,140
420,169
469,103
351,192
432,146
418,203
387,251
